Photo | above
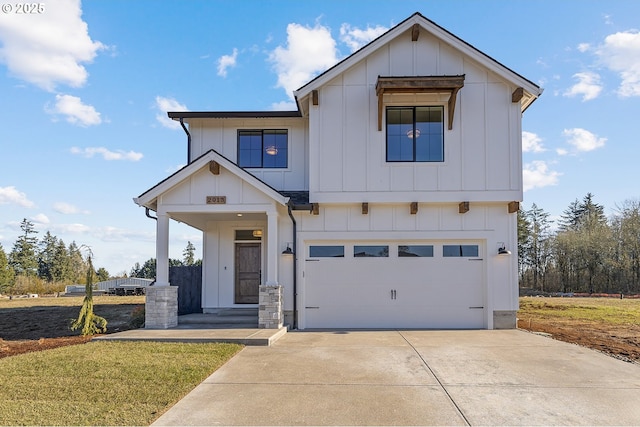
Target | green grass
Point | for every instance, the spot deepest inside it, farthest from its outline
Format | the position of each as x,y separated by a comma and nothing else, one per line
104,383
608,311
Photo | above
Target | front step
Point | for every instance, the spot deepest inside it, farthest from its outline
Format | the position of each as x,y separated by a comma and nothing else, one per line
227,318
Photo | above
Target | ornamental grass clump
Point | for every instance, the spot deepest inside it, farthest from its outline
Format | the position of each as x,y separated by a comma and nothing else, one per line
90,322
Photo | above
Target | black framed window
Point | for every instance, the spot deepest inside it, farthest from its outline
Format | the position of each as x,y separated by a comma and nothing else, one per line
326,251
415,251
415,134
364,251
460,251
263,148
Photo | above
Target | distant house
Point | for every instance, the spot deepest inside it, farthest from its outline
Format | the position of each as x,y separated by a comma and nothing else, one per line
387,200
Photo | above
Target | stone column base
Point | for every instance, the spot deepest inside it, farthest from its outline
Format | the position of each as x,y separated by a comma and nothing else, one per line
504,319
161,307
270,315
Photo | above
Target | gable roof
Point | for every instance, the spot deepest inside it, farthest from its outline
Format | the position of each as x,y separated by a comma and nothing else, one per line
532,90
149,198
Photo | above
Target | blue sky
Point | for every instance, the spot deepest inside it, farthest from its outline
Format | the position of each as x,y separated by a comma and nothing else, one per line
84,90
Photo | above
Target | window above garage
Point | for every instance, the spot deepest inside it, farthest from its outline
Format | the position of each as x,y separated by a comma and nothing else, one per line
415,134
420,84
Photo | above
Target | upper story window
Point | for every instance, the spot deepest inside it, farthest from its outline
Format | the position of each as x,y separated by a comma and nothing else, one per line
415,134
263,148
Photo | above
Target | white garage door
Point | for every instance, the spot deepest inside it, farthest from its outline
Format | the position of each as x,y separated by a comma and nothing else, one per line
394,285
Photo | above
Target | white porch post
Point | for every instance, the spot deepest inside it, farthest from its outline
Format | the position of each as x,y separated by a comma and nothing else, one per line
272,249
270,314
162,250
161,302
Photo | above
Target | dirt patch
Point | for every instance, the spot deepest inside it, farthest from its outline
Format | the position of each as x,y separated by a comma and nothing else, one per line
622,342
37,328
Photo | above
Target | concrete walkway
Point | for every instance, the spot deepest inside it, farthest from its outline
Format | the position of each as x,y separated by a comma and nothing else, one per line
415,378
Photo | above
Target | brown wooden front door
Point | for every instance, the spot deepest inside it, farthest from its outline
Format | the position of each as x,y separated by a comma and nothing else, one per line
247,273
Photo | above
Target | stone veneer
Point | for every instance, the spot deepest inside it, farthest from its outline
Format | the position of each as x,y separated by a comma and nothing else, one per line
161,307
270,315
504,319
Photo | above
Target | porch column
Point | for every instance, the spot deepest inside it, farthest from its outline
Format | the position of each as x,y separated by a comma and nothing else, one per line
272,249
162,250
161,302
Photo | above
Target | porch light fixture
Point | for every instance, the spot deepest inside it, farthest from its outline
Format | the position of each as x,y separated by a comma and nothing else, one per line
257,233
271,150
502,250
287,251
411,134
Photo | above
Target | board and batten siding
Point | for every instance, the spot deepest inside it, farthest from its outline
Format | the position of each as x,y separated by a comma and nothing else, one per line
222,135
482,151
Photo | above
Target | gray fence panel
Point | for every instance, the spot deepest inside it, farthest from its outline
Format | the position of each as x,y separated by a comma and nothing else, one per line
188,279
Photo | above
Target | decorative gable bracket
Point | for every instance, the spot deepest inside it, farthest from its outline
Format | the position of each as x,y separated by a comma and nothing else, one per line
420,84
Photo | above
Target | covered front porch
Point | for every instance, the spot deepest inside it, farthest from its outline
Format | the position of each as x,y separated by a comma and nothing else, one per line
244,223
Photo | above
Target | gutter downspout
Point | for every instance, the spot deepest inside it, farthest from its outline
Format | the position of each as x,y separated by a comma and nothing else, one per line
295,268
188,140
146,212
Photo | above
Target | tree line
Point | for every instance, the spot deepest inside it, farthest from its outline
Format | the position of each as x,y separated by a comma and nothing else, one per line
584,251
42,266
47,265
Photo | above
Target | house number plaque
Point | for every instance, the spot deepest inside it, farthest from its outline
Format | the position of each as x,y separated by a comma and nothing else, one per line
216,200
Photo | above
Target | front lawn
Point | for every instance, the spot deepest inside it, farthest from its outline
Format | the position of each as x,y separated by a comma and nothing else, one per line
104,383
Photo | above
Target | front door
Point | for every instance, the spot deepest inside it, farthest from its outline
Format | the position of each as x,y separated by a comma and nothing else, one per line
247,273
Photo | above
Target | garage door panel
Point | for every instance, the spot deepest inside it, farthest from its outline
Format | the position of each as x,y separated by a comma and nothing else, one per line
394,292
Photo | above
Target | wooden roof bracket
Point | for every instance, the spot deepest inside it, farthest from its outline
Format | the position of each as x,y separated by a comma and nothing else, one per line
420,84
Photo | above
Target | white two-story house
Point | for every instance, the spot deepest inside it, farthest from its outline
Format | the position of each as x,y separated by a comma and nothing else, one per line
388,199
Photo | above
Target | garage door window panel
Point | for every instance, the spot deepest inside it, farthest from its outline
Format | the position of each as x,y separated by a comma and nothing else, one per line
415,251
378,251
462,251
326,251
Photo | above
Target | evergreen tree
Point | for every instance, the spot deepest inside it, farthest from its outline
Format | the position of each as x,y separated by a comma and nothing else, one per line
188,255
46,257
61,266
102,274
7,274
77,264
146,271
90,322
23,258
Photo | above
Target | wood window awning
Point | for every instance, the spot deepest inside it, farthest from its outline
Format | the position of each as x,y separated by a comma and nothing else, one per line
420,84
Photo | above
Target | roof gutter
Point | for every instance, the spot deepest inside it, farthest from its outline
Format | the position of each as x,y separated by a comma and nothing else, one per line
188,139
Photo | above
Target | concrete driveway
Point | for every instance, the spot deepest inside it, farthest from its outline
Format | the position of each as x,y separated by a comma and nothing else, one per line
507,377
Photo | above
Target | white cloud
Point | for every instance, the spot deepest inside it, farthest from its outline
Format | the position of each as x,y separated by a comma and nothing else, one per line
67,209
583,47
107,154
41,219
113,234
76,112
562,151
537,175
50,48
227,61
309,51
589,86
70,228
11,196
165,105
582,140
620,52
284,106
531,143
355,38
